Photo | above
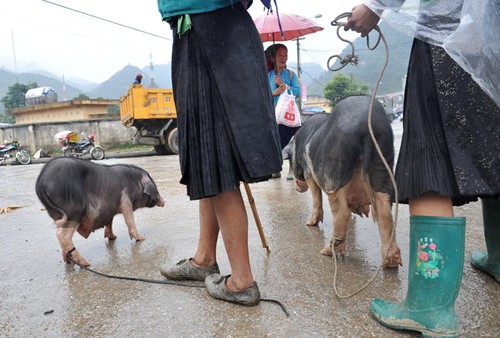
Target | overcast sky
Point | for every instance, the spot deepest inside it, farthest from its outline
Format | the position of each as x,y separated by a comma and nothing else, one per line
35,34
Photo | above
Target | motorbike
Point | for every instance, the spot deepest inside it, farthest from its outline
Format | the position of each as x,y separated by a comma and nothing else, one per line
74,148
13,150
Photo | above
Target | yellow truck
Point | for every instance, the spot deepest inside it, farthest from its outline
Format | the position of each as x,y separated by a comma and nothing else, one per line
152,112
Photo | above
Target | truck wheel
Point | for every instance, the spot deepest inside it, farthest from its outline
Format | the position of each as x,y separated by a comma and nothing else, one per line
97,153
171,147
172,141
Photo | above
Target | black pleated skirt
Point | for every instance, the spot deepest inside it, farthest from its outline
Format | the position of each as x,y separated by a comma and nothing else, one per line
226,123
451,138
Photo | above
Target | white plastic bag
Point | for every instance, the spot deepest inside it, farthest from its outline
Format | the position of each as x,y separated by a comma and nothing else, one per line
287,111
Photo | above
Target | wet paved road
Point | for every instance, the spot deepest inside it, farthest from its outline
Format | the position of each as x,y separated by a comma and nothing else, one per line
41,296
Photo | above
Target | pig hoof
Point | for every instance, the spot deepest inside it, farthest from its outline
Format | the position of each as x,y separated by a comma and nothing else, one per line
393,262
108,232
391,265
393,259
312,223
340,255
326,251
137,237
339,247
75,258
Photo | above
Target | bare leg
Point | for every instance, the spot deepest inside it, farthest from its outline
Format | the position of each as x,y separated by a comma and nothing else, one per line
209,232
233,222
431,204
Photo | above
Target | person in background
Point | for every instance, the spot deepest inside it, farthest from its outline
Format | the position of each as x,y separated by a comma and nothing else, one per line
450,156
270,57
138,79
226,136
282,79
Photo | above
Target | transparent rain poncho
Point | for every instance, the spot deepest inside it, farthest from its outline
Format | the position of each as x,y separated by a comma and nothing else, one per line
468,30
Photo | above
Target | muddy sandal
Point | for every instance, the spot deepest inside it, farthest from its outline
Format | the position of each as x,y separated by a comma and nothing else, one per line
185,270
216,287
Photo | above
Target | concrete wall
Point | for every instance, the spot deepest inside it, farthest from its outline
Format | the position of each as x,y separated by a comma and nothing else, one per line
108,132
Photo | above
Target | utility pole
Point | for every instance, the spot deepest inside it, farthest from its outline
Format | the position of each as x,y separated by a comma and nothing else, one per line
65,98
14,53
299,70
152,83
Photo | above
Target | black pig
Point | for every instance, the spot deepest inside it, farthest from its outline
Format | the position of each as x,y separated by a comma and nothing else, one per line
84,196
334,153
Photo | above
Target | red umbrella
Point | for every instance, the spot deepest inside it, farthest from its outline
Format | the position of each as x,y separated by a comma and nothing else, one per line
293,26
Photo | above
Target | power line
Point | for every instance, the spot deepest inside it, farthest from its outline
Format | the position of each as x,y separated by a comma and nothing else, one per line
403,43
315,80
106,20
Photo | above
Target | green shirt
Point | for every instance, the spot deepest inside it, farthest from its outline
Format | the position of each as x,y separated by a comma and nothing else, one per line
172,8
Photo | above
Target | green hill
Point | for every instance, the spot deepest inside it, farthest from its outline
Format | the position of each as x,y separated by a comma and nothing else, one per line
8,79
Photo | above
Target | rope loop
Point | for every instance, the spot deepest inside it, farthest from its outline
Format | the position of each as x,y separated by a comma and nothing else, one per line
352,58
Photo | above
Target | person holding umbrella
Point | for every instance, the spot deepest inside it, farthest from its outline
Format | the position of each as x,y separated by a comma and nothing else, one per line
282,79
226,136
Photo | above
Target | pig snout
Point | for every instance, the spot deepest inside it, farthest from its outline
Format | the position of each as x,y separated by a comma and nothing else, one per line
161,202
151,191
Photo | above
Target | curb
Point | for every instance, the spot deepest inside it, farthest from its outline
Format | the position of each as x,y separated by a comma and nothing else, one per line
114,154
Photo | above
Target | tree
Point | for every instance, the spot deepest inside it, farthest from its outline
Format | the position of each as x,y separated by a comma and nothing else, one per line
114,110
82,96
15,98
341,87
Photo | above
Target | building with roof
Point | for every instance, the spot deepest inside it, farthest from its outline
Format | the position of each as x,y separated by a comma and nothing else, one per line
77,109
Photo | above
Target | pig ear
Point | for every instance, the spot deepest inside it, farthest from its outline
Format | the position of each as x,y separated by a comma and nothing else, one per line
148,186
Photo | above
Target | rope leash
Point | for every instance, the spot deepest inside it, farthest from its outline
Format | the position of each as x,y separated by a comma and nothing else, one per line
156,281
353,59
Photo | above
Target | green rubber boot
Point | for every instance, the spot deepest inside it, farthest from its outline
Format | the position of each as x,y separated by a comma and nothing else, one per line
489,261
434,277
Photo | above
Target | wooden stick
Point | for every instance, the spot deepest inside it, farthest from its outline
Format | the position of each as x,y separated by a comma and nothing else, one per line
256,216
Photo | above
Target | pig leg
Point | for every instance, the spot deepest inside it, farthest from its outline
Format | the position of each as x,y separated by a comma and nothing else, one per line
317,212
108,231
289,176
65,236
128,214
341,218
385,224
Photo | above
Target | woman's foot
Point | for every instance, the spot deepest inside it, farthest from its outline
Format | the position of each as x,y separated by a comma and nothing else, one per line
217,288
